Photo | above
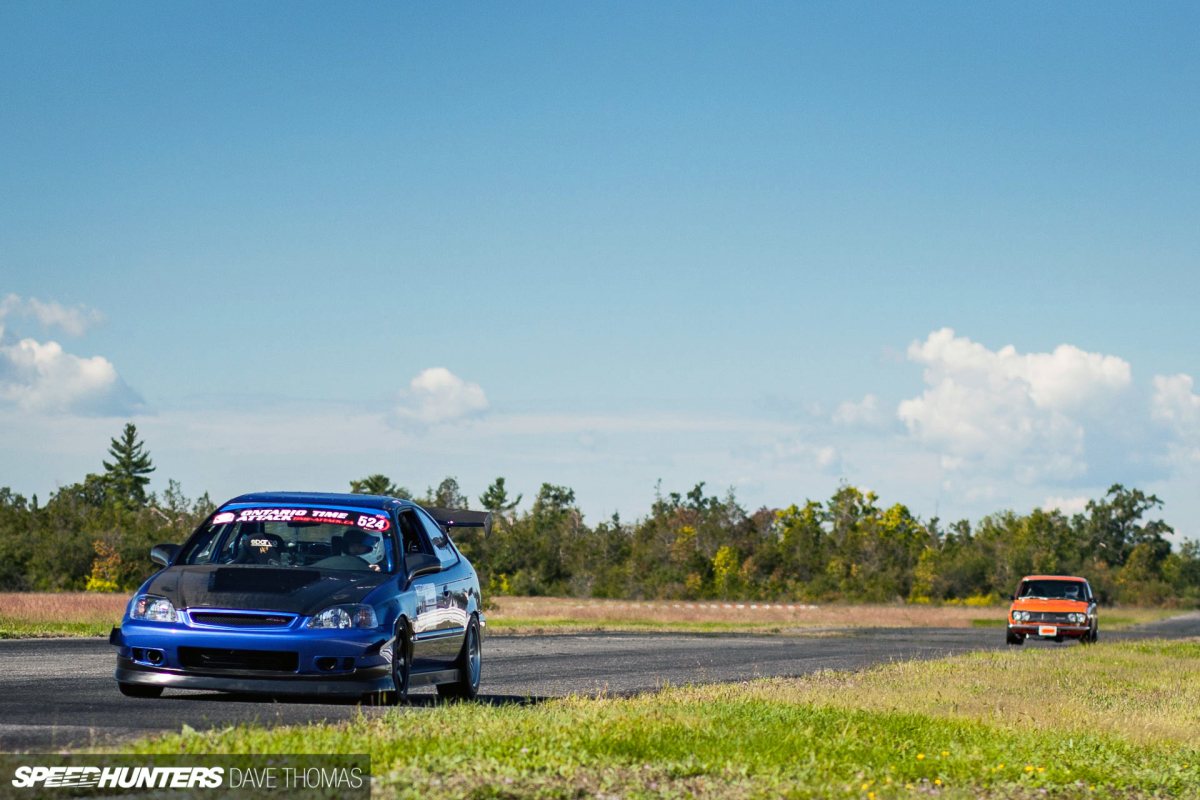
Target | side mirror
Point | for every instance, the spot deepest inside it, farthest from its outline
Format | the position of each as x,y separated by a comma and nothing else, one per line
162,554
419,564
1012,597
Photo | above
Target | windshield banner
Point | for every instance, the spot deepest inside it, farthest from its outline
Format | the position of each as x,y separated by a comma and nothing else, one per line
370,520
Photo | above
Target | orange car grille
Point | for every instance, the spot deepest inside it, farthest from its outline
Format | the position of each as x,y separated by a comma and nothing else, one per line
1049,616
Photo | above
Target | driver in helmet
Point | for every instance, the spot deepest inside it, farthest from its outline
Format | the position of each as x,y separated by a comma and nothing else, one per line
367,547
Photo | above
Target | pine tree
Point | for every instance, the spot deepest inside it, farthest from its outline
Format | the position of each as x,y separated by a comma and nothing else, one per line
129,468
379,485
495,499
446,495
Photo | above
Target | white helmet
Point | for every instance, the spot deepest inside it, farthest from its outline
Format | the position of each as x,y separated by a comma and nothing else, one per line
376,555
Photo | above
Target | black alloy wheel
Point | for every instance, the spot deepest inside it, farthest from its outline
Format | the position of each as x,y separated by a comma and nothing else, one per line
470,663
1015,639
139,689
401,650
402,657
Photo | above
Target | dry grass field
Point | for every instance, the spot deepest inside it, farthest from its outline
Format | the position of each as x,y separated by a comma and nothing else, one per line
544,614
34,614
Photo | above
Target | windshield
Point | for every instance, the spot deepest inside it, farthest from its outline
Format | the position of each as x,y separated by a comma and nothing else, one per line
324,538
1057,590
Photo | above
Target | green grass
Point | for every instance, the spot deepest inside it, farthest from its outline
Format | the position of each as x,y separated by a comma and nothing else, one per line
1108,622
1120,718
1120,622
531,625
23,629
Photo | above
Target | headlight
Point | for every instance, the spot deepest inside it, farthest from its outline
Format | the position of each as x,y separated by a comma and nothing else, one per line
348,616
1077,618
152,609
1020,616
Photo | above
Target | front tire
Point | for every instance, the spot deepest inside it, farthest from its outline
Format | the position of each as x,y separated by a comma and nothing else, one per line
139,689
470,665
401,669
1014,639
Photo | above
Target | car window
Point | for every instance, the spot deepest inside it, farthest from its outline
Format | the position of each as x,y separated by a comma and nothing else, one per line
410,535
201,547
441,542
324,538
1056,590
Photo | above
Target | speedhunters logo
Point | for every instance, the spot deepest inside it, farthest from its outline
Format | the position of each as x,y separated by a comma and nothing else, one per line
119,777
210,777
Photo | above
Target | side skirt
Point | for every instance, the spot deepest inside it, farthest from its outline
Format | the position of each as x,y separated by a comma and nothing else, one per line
432,677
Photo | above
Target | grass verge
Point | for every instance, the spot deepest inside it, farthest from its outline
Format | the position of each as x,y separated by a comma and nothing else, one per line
525,615
1124,619
42,614
1109,721
533,625
25,615
19,629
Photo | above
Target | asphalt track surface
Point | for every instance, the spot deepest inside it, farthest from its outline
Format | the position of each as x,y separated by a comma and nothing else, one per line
59,694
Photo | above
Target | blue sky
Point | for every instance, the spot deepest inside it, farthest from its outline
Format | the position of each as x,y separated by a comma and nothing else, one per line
634,241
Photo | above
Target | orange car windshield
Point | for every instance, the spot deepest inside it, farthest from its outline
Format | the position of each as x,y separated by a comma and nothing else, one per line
1053,590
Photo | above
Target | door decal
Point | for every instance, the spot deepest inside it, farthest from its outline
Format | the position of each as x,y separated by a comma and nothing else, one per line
426,598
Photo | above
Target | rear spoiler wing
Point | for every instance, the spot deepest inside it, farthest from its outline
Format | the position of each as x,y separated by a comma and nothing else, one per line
457,518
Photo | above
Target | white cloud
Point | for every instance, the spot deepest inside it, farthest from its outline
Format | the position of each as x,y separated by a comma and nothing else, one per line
1067,505
1002,411
824,458
868,414
42,378
1175,406
1175,402
1064,379
827,456
74,321
977,494
437,395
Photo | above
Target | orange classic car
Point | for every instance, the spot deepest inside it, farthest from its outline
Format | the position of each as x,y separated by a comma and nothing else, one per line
1054,607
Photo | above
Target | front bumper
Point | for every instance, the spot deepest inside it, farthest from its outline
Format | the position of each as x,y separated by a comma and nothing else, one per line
327,662
1033,629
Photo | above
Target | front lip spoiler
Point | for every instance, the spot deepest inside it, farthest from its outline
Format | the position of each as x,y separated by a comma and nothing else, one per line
1031,628
370,679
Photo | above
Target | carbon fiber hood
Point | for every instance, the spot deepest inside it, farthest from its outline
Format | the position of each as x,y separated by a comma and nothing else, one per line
263,588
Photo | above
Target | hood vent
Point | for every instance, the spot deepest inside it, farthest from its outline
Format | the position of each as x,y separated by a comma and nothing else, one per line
262,581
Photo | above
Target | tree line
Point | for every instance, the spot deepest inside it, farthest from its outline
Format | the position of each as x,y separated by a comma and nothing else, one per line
96,535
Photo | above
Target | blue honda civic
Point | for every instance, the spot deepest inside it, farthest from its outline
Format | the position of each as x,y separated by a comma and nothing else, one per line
319,594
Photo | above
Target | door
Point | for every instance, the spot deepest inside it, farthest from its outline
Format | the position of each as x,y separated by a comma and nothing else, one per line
451,622
436,639
424,624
